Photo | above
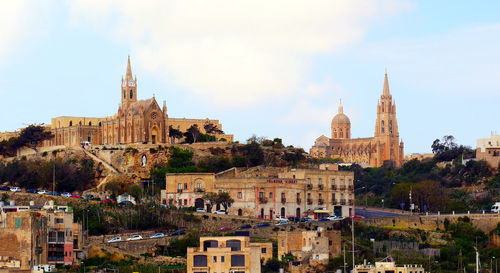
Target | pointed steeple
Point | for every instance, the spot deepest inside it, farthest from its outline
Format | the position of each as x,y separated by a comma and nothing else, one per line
386,84
341,108
128,76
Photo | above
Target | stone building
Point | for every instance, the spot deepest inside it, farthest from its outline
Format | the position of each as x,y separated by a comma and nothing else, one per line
266,192
33,235
227,254
488,149
136,121
310,246
368,151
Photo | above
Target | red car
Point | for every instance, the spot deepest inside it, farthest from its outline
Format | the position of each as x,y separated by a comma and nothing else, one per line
204,231
109,201
225,229
76,196
356,217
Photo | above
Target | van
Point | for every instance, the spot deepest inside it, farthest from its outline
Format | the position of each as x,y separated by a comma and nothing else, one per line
496,207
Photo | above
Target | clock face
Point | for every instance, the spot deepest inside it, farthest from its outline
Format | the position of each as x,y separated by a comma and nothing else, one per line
130,83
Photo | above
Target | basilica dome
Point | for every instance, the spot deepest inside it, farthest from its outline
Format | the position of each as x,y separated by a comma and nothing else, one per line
341,120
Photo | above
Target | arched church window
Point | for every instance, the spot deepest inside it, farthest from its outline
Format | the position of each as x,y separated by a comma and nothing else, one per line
382,107
335,133
99,124
341,133
124,94
70,123
90,123
383,129
390,126
131,94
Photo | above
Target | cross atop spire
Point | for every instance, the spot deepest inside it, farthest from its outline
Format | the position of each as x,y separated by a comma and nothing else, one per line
128,75
341,108
386,85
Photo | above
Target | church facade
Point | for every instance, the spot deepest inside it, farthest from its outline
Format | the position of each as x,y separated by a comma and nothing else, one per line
136,122
370,151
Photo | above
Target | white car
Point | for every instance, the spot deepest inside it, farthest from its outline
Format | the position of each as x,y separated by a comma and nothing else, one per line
16,189
66,194
281,223
219,212
335,218
42,192
115,239
200,210
134,237
280,218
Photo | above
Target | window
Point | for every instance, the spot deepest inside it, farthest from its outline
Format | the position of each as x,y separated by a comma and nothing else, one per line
383,124
270,195
263,250
215,259
308,181
239,195
320,196
209,244
390,126
237,260
124,94
283,243
350,181
282,195
131,94
200,260
18,222
198,186
185,202
59,220
298,195
185,186
261,195
179,186
320,181
235,245
333,181
333,196
222,259
341,181
308,196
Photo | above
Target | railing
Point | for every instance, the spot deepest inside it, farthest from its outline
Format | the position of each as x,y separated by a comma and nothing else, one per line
334,202
283,200
334,187
55,259
199,190
350,187
320,201
179,190
299,200
309,201
262,200
349,202
320,186
309,186
342,188
342,202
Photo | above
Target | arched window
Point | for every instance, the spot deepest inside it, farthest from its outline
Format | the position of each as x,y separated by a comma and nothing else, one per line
335,133
99,124
235,245
382,107
390,126
90,123
383,127
341,134
124,94
70,123
131,94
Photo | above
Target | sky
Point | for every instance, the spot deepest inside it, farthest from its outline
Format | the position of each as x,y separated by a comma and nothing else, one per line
270,68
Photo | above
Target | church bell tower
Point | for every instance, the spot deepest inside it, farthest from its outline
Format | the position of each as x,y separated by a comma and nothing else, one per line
386,124
129,87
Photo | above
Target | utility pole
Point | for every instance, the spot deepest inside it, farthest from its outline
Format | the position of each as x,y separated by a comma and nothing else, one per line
411,204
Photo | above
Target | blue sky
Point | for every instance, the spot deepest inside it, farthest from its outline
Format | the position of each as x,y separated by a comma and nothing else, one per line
274,69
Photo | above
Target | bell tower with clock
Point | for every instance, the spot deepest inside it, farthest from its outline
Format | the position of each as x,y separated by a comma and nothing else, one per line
129,87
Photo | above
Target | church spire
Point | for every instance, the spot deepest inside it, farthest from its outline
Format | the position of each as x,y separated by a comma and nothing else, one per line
386,84
341,108
128,76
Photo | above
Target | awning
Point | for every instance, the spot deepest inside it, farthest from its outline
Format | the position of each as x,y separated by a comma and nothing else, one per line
321,211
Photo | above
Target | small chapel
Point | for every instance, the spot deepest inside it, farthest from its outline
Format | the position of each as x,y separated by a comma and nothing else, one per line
384,147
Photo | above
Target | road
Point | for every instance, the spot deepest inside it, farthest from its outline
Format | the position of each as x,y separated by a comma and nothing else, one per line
371,213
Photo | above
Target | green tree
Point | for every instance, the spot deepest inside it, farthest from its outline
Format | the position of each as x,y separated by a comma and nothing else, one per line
174,134
33,135
192,133
211,128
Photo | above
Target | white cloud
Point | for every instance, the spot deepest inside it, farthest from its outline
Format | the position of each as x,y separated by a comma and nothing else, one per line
233,52
19,20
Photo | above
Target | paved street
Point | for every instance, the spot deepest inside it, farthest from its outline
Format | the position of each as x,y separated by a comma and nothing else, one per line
371,213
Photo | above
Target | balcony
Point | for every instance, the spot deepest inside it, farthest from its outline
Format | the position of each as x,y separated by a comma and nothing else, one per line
179,190
334,187
349,202
283,200
342,201
350,187
263,200
334,202
342,188
309,186
199,190
321,201
320,186
309,201
299,200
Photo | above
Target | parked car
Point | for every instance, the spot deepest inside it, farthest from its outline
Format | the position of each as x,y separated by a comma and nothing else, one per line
89,197
76,196
15,189
324,219
4,188
262,225
306,219
134,237
31,191
42,192
53,193
219,212
281,223
244,226
225,229
176,233
66,194
337,218
125,203
280,218
107,200
293,219
157,235
203,231
200,210
115,239
356,217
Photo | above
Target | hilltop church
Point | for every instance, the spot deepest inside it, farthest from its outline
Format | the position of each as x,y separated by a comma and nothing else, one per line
369,151
136,121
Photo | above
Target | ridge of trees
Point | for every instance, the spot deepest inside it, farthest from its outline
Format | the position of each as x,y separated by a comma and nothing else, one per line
30,137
